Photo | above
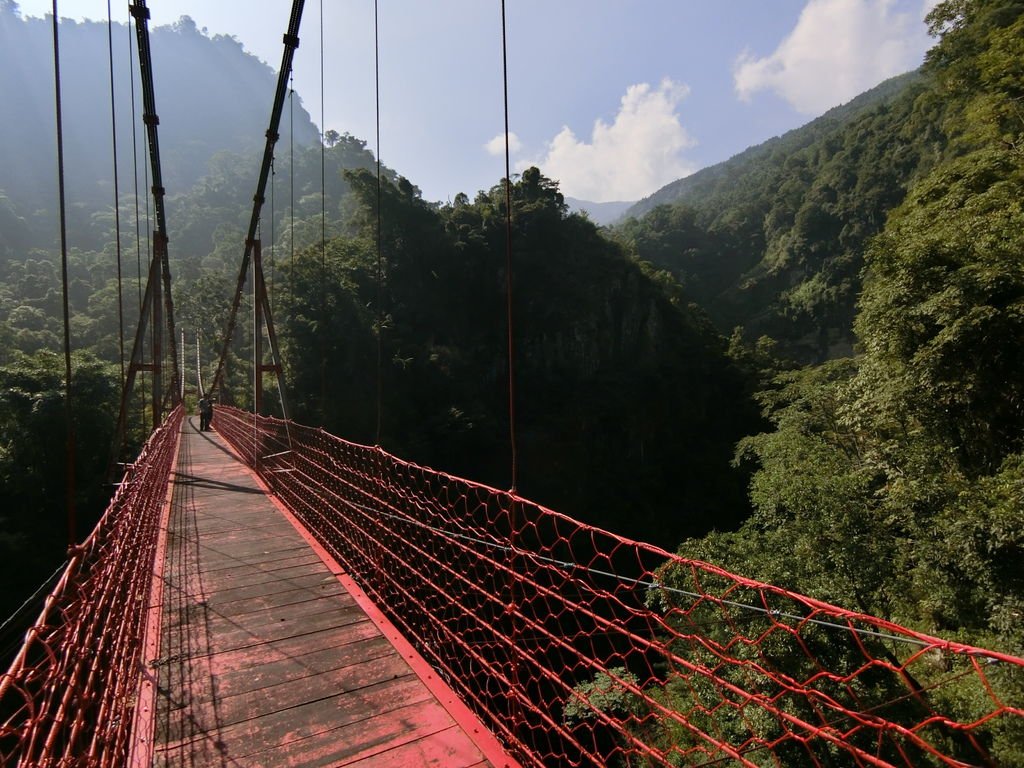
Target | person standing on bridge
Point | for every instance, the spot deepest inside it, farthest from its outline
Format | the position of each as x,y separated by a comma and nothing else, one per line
205,413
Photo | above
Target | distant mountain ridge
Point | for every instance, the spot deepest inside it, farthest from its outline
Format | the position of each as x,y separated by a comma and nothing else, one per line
600,213
772,239
709,180
210,95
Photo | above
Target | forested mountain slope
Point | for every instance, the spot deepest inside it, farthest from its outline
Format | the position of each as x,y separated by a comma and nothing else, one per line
628,403
229,112
772,240
890,482
210,139
893,481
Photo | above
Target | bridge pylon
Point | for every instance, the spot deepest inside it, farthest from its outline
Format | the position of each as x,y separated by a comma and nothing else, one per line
262,318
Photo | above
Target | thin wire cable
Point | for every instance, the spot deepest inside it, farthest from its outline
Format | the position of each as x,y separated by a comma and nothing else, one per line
117,193
323,229
153,330
149,217
508,267
199,369
270,290
569,565
380,247
291,195
138,220
513,449
135,167
182,376
257,335
68,420
33,597
291,178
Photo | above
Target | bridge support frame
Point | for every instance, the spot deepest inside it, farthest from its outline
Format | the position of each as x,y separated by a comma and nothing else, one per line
262,317
151,320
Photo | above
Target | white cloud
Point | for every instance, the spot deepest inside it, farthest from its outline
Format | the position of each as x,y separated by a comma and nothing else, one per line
637,154
496,146
838,49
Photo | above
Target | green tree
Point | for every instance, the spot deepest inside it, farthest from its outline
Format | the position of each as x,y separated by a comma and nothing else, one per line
942,311
619,383
978,61
32,461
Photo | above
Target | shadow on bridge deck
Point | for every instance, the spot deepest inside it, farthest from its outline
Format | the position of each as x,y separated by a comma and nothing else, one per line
269,655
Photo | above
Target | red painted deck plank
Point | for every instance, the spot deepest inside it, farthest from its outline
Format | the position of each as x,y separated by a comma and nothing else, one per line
266,658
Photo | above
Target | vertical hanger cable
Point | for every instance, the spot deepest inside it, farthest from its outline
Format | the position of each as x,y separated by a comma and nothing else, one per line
68,420
380,248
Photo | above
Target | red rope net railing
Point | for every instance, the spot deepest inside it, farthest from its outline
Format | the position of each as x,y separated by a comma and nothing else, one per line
69,696
579,647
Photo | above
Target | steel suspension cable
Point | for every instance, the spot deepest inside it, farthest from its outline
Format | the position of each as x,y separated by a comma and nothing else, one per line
149,254
181,394
270,287
380,247
508,267
512,584
135,180
323,229
134,160
117,194
257,332
149,215
68,421
149,218
199,369
291,179
273,236
291,193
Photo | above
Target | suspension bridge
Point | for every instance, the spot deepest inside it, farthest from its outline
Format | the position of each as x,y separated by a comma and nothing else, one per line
269,594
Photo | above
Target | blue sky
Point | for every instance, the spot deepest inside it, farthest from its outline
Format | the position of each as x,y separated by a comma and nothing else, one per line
614,98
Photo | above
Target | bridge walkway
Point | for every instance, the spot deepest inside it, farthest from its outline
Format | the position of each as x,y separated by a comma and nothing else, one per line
268,654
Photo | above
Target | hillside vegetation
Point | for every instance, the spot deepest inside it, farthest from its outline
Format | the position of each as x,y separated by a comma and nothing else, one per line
229,112
773,239
893,480
860,438
628,401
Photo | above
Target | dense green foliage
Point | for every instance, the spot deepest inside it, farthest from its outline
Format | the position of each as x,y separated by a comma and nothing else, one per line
34,524
886,477
907,458
893,481
627,404
773,239
229,112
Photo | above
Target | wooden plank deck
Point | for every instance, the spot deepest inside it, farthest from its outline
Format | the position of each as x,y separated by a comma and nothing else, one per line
269,655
